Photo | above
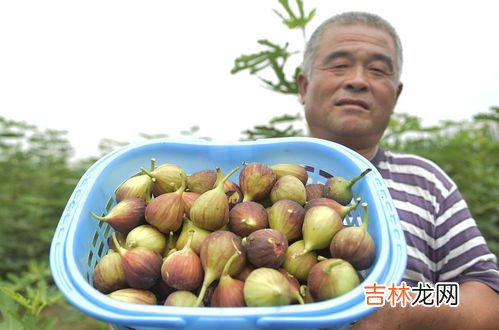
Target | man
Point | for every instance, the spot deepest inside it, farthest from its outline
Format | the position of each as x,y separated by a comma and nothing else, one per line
349,88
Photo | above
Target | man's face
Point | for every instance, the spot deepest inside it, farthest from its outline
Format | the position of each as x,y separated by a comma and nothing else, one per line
353,86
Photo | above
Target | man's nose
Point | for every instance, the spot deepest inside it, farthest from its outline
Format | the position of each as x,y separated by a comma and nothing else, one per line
356,80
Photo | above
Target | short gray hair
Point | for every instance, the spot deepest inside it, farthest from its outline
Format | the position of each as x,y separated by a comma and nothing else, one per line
350,18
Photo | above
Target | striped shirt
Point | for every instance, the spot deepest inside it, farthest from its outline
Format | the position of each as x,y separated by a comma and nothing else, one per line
444,243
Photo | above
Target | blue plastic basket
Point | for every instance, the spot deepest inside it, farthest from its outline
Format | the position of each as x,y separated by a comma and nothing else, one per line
80,241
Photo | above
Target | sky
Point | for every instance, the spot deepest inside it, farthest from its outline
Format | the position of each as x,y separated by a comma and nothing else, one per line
116,69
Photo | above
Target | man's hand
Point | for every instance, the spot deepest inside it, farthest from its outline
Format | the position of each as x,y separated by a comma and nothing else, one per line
478,309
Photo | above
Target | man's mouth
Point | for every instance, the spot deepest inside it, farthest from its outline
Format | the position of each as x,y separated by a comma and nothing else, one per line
346,101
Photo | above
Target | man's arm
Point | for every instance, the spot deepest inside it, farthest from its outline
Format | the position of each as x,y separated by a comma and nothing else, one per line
478,309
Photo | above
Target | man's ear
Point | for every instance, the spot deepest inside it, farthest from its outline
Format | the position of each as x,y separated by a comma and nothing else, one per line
302,84
399,89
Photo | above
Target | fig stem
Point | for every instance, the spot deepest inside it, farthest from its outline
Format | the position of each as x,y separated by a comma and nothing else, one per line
97,216
335,263
229,262
120,249
146,172
153,164
360,176
227,176
365,221
189,239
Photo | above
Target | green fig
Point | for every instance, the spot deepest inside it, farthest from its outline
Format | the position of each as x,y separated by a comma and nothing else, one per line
340,189
210,210
137,186
267,287
331,278
320,225
288,187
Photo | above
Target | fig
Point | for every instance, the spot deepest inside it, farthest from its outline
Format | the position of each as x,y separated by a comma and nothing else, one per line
201,181
298,171
188,199
287,217
246,217
137,186
299,264
340,189
125,215
165,211
142,267
181,298
108,273
320,224
256,180
294,285
314,190
166,178
210,211
265,248
331,278
135,296
229,291
197,239
288,187
146,236
216,250
342,210
267,287
182,269
354,244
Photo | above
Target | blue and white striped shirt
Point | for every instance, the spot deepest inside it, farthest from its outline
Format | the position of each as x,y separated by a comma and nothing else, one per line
444,243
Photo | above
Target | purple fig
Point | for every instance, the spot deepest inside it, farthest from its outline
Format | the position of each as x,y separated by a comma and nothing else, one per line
265,248
229,291
256,180
201,181
182,269
314,190
355,244
165,211
246,217
188,198
125,215
142,267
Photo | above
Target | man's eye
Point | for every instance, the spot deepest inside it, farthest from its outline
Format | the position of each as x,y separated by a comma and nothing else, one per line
378,70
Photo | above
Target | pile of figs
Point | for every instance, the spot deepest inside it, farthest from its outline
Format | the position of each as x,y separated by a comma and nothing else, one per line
202,239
